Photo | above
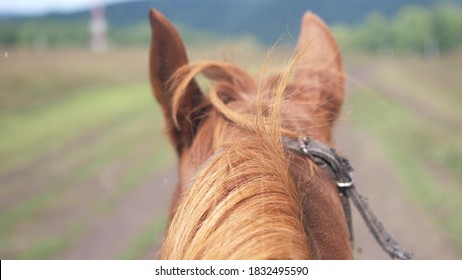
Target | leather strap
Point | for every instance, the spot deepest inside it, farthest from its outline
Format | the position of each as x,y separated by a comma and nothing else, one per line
340,171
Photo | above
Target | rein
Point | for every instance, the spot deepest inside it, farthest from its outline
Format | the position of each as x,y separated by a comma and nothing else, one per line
340,171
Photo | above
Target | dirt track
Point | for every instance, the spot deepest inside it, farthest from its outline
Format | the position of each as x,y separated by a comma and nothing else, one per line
108,238
377,179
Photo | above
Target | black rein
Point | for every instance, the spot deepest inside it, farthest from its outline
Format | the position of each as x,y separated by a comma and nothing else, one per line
340,171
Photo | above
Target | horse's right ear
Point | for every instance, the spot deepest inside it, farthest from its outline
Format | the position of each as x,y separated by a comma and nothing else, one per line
167,55
320,63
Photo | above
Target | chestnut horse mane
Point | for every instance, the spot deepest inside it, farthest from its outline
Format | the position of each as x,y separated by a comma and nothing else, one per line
243,202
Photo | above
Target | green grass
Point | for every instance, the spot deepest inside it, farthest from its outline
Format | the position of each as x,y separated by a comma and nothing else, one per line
122,120
414,126
32,205
408,141
145,239
434,81
25,135
135,176
31,80
432,86
107,105
45,248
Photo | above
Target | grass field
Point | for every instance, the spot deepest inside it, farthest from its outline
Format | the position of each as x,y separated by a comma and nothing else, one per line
80,132
412,108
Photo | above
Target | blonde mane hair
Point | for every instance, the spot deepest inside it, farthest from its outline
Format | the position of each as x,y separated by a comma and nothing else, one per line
243,203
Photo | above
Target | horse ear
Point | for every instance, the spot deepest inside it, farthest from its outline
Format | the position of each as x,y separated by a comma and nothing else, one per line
319,63
167,55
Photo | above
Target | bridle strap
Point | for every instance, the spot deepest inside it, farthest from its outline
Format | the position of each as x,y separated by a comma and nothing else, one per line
386,241
348,217
340,171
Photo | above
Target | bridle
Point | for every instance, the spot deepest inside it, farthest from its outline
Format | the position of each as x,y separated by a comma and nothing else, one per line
340,171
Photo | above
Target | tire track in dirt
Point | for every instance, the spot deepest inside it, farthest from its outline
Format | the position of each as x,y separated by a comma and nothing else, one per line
109,236
379,181
368,74
426,238
47,167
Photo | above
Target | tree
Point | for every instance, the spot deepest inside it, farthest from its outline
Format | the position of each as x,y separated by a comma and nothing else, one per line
413,30
375,33
447,21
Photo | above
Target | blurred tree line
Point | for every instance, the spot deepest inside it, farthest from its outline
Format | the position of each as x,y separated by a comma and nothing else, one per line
414,29
43,33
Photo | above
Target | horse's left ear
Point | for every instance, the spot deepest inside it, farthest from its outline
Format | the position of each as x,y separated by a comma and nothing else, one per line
320,64
167,55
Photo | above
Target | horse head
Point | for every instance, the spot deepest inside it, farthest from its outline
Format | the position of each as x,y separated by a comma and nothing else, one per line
240,193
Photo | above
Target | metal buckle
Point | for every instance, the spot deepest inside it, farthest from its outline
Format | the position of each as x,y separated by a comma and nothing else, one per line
338,168
345,184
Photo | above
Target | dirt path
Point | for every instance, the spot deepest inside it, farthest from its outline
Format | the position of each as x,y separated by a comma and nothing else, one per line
377,179
109,237
368,75
45,168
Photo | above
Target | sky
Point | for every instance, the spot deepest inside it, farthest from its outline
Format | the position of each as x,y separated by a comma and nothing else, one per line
14,7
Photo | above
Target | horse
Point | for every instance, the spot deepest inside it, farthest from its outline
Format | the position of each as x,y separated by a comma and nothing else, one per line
241,193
